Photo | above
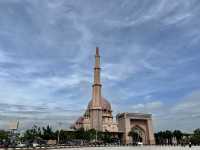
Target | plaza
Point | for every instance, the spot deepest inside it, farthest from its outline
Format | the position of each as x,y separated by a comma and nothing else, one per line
138,148
127,148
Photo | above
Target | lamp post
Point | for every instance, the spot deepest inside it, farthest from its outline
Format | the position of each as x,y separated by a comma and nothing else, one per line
96,136
58,138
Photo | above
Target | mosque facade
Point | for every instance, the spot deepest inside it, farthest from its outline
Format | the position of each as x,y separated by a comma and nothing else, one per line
98,115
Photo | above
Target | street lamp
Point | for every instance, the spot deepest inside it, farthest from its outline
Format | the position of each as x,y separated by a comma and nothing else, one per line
58,138
96,136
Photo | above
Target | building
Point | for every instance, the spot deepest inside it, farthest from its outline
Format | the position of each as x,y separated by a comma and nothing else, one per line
136,122
98,115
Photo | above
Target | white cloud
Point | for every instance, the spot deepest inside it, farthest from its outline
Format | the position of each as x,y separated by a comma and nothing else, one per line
60,82
118,71
154,105
4,57
176,19
149,107
138,106
183,115
190,104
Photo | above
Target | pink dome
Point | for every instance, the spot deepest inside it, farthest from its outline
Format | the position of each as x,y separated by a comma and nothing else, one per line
80,120
105,104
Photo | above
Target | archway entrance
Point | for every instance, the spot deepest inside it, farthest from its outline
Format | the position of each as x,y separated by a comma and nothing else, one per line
138,135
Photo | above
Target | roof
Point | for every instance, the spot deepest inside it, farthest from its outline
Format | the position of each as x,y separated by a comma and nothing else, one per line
104,102
80,120
134,115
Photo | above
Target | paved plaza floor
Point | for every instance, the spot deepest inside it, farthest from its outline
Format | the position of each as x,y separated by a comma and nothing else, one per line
138,148
118,148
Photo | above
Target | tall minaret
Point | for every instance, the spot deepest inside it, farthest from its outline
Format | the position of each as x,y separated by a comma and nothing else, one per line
96,93
96,109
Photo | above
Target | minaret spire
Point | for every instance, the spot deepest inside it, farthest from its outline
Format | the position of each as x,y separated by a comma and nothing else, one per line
97,51
96,103
96,99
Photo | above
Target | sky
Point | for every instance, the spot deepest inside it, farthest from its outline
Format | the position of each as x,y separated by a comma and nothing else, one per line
150,57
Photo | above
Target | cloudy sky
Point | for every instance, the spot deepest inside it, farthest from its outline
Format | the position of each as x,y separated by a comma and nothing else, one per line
150,53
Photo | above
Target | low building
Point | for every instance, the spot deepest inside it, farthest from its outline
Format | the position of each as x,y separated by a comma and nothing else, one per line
139,123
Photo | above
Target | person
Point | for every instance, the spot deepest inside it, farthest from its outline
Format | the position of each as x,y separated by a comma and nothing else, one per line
190,145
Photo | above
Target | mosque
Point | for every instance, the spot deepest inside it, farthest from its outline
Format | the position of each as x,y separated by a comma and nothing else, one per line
98,115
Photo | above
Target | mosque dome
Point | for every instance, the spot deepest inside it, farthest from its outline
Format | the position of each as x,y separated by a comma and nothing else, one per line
80,120
105,104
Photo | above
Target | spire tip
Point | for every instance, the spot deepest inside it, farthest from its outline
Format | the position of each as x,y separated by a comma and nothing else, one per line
97,51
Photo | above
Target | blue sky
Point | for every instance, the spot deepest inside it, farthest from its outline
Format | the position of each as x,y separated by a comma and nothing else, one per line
150,59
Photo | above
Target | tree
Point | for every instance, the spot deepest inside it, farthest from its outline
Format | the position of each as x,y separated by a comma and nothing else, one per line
80,134
35,133
66,136
168,135
48,133
32,134
164,137
91,134
107,137
178,135
160,138
195,139
3,135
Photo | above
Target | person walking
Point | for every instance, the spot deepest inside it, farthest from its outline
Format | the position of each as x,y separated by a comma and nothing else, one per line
190,145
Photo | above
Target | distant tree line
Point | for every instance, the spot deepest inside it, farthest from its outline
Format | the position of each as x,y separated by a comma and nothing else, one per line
177,137
86,135
47,133
39,134
4,135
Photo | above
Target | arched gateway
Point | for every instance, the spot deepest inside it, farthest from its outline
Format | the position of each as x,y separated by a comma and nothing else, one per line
139,124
